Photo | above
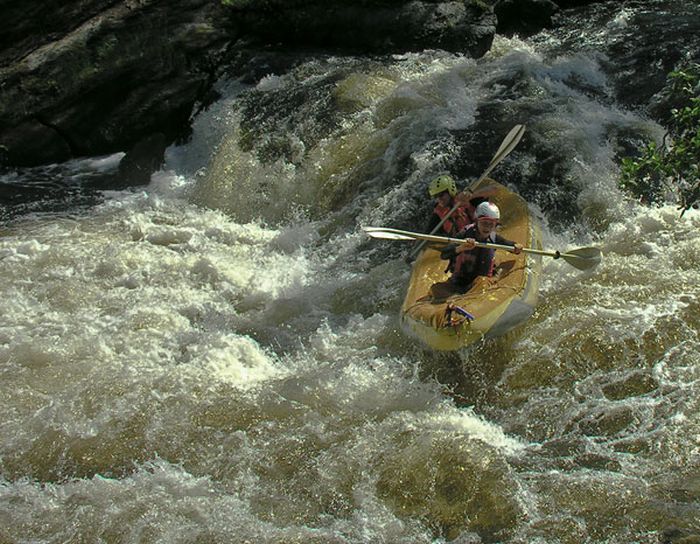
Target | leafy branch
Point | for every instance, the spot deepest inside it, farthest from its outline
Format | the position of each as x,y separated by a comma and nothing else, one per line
671,169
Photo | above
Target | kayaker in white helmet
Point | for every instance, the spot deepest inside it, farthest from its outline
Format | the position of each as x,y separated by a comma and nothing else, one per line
467,261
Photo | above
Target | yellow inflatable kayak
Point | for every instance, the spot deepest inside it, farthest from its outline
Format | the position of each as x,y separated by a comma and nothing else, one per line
493,306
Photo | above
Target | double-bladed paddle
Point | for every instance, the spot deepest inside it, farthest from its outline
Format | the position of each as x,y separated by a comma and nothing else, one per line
582,258
508,144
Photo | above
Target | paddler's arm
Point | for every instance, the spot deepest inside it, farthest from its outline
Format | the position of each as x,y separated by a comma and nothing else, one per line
470,243
448,252
467,245
466,195
517,248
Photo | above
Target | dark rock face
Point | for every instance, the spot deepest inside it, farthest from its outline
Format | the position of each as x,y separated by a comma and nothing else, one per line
28,25
133,69
464,26
639,54
643,59
564,4
524,17
88,77
32,142
144,158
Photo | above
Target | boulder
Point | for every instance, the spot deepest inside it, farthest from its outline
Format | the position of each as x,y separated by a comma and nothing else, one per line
144,158
466,26
91,77
109,80
524,17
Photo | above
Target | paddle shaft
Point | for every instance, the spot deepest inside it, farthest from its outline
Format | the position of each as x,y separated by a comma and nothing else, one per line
582,258
491,245
508,144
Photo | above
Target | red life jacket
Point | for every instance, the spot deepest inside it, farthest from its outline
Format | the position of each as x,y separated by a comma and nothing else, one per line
456,222
477,262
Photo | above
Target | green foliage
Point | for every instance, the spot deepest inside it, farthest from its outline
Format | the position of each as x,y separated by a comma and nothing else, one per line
671,169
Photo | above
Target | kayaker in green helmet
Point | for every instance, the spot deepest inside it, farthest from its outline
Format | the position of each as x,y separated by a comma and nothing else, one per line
444,190
468,261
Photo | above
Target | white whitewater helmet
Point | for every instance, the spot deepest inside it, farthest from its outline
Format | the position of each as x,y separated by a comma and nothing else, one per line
488,210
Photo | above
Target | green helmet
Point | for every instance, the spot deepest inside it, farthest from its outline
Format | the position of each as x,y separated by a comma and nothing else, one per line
442,183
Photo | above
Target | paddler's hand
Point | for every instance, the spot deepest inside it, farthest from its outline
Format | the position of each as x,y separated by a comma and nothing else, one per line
468,245
517,249
463,198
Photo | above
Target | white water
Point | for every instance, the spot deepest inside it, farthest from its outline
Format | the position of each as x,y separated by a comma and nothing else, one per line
217,357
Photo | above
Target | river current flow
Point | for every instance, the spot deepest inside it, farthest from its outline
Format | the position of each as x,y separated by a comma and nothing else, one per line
217,356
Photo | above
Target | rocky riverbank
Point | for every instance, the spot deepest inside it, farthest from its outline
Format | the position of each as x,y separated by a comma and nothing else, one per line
85,78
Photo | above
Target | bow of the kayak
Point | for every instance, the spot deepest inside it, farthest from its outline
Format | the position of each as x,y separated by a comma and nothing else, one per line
493,306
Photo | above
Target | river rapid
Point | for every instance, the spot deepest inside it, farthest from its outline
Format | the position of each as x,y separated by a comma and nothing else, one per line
217,356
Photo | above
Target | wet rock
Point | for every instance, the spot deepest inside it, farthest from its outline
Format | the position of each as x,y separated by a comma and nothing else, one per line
93,77
524,17
675,535
464,26
563,447
607,423
142,160
595,461
639,48
634,445
27,25
576,3
33,142
639,60
633,385
108,78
